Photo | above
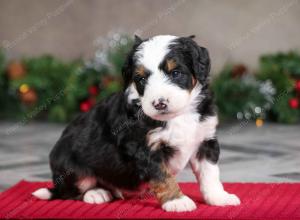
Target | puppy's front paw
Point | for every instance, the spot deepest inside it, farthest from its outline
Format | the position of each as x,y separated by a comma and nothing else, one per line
182,204
97,196
222,199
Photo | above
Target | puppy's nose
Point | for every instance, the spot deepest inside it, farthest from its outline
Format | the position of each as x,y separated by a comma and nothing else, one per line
160,104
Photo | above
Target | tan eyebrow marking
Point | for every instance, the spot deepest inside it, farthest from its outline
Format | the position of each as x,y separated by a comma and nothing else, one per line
171,64
140,70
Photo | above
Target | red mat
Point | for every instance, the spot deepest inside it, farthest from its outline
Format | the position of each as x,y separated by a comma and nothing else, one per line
259,201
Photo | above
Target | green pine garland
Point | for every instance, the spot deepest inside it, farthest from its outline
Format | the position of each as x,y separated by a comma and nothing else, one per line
282,69
237,95
61,87
66,88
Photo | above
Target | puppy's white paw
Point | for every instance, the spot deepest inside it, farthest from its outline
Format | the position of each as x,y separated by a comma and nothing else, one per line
97,196
182,204
221,199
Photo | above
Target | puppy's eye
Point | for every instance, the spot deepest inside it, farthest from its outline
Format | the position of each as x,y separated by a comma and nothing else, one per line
140,80
175,74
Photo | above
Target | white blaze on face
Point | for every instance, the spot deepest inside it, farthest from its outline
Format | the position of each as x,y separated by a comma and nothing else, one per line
151,54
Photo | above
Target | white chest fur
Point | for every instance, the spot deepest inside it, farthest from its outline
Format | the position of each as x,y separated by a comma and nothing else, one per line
186,133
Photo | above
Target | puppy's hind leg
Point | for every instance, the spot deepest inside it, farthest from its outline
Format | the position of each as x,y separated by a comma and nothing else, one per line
64,187
169,194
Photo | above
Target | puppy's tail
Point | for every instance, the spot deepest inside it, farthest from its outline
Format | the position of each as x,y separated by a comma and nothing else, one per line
43,193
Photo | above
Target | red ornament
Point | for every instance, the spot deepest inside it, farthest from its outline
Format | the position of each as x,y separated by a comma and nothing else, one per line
29,97
93,90
294,103
238,71
85,106
297,85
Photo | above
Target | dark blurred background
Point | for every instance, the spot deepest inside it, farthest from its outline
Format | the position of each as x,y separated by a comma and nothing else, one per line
59,57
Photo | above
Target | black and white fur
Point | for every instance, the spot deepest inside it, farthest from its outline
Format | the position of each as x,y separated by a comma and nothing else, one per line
172,120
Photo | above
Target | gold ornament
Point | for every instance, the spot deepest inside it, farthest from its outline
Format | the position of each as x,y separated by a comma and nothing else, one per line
24,88
259,122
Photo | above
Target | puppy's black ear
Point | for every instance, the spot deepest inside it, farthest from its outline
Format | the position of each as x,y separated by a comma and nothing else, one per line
137,40
128,67
201,63
127,70
192,36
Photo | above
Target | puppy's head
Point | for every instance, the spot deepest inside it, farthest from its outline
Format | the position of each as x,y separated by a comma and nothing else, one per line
162,72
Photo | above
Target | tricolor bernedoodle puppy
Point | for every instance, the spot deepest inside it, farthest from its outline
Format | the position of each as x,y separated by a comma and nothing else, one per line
162,120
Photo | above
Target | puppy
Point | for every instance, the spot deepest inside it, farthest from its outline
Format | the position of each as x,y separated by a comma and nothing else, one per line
162,120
